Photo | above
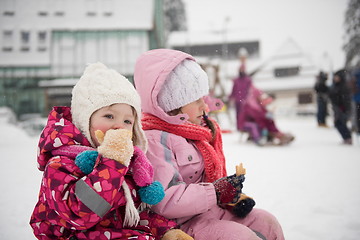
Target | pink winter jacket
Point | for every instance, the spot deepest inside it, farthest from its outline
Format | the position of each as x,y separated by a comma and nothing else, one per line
72,204
177,163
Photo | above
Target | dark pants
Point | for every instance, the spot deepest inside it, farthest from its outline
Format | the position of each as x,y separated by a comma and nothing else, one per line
357,116
322,102
340,121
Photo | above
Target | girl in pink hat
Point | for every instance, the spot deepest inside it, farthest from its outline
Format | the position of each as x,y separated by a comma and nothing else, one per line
185,149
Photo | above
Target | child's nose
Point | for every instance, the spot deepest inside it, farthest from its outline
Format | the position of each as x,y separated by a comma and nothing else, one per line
203,105
118,126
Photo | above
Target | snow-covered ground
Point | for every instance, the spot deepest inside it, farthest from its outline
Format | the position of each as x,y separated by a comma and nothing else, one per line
312,185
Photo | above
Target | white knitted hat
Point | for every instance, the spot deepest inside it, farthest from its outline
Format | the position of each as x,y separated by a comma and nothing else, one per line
99,87
186,83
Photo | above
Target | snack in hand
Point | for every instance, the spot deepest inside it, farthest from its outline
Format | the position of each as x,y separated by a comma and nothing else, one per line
116,144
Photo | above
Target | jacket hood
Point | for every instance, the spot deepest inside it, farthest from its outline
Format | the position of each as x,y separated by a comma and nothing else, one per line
151,71
58,132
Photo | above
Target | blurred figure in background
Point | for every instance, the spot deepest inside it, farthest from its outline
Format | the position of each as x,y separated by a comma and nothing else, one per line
322,91
355,88
340,98
252,115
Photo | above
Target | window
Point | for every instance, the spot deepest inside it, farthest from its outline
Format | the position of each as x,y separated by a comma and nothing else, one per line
24,40
91,8
42,37
305,98
25,37
91,14
108,14
7,37
7,49
59,14
286,72
25,49
42,41
8,13
42,14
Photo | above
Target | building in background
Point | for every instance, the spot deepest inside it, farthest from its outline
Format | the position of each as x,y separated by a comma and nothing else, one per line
51,41
289,76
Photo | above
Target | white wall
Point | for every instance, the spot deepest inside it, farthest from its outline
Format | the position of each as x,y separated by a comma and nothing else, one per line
49,16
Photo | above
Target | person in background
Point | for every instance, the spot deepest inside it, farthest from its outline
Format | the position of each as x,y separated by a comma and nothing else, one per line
355,88
96,175
185,149
322,96
252,115
339,94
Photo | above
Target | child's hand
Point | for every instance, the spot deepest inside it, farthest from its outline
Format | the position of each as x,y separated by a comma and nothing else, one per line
116,144
176,234
245,204
142,171
243,207
141,168
228,189
86,161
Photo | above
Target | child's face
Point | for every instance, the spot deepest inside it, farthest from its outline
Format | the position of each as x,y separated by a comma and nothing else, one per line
336,78
116,116
195,111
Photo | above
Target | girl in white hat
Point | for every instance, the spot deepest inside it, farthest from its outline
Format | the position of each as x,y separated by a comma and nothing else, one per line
97,180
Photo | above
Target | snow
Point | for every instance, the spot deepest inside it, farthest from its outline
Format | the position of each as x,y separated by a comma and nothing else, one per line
311,186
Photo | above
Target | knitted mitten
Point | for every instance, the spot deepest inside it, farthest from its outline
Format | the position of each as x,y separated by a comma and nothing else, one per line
86,160
150,192
228,189
141,168
243,207
176,234
245,203
116,144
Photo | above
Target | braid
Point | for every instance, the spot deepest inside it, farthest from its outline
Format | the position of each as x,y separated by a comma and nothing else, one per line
210,125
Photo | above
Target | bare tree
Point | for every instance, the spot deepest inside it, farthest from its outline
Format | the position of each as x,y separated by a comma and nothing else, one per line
174,16
352,35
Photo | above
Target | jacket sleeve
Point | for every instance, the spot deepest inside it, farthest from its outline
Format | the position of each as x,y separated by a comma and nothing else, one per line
347,99
158,224
181,199
82,200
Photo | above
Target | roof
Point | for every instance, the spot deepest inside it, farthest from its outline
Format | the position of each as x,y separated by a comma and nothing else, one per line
68,82
289,55
287,83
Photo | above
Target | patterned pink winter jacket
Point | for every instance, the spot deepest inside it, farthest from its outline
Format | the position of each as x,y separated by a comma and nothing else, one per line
177,163
78,206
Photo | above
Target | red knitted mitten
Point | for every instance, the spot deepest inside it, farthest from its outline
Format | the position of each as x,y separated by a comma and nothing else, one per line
228,189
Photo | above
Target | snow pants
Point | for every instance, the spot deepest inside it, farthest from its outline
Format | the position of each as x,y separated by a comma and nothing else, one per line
321,109
259,116
219,223
357,116
340,121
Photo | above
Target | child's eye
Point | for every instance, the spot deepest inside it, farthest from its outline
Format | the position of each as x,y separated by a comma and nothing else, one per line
109,116
128,122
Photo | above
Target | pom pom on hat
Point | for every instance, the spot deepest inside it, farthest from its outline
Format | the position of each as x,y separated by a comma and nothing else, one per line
186,83
99,87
